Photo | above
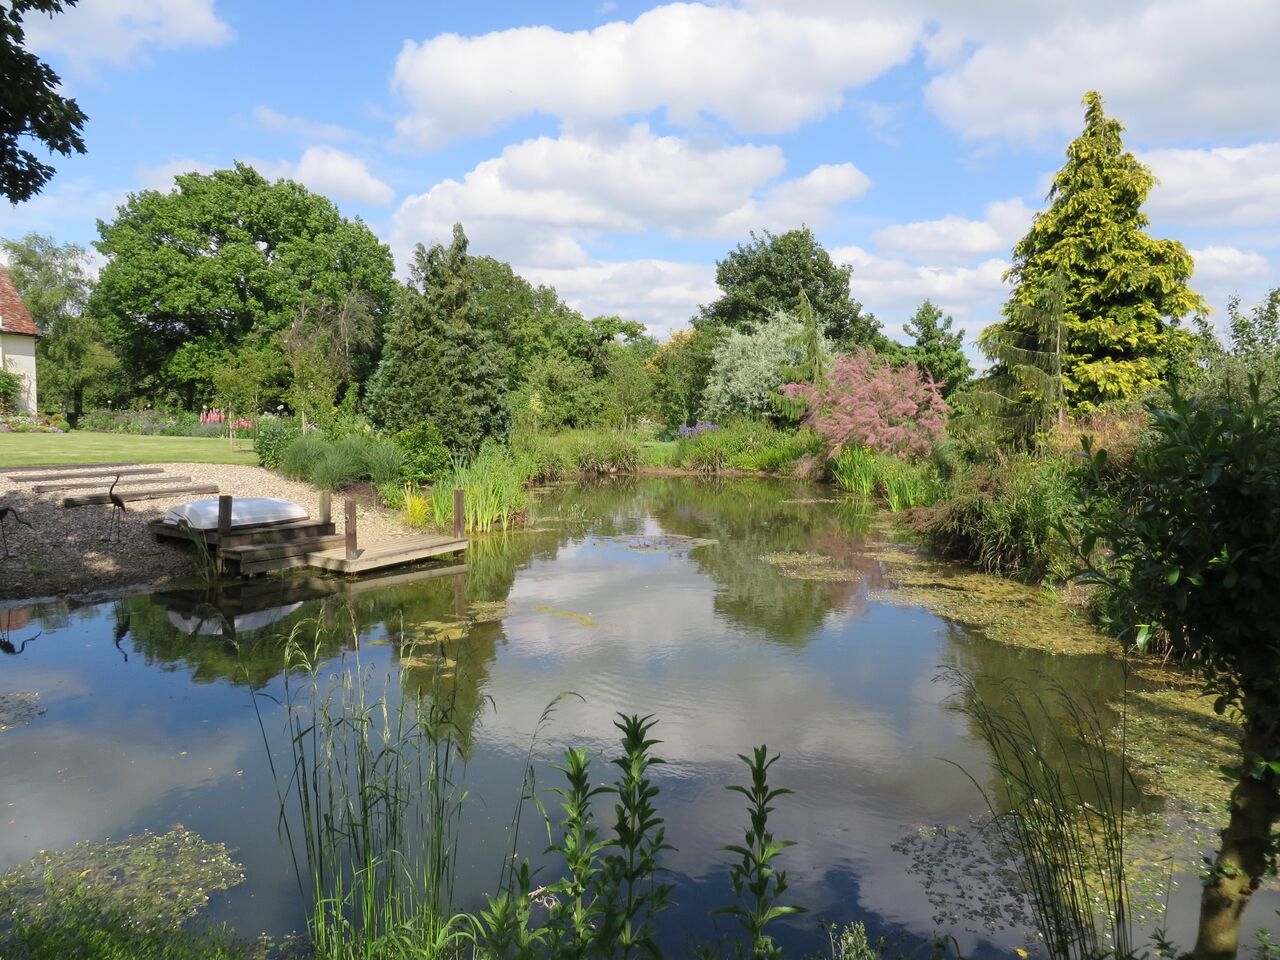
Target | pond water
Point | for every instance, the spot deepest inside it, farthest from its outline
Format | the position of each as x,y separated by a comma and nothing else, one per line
667,597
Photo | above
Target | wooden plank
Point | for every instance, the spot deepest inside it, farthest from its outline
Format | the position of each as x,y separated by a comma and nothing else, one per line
51,467
87,499
82,474
268,551
386,553
81,484
244,535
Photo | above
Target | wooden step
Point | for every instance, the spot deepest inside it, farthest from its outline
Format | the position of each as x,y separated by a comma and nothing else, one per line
288,548
83,473
125,482
87,499
62,467
261,558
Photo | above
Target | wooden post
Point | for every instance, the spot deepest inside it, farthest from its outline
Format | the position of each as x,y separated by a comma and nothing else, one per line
459,517
460,596
349,523
224,528
326,506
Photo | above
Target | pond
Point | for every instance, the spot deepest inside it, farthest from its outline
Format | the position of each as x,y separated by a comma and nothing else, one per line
698,603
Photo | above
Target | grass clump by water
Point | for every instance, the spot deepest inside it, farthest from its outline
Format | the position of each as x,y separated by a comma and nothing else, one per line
333,464
900,484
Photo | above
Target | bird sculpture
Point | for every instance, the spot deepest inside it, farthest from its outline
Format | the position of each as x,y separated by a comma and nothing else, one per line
5,514
117,511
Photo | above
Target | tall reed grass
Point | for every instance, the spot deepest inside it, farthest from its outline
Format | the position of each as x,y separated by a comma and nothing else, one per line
374,791
494,492
1064,820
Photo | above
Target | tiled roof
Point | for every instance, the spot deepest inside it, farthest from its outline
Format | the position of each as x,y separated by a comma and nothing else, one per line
14,317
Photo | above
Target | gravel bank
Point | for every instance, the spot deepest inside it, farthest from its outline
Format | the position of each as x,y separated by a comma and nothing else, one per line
63,551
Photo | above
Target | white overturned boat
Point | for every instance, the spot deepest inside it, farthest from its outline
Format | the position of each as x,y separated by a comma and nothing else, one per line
245,512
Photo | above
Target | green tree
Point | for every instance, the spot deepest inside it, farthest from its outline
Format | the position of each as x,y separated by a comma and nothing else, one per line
54,283
938,351
1255,337
1194,542
225,256
440,362
627,388
679,369
1025,387
748,368
30,106
769,274
1125,292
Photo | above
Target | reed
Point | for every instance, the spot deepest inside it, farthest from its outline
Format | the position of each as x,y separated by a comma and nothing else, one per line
494,493
856,470
374,792
1064,820
906,485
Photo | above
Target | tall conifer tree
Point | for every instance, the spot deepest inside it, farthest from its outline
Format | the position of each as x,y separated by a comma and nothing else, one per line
1125,291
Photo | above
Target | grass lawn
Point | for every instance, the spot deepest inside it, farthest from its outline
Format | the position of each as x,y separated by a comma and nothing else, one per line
31,449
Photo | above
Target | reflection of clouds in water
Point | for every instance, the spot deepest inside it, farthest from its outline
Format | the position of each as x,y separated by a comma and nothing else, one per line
78,783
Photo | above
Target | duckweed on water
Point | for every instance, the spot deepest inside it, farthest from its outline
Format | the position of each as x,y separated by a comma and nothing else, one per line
667,542
810,566
488,611
19,709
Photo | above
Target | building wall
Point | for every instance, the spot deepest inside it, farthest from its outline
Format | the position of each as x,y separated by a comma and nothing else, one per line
18,353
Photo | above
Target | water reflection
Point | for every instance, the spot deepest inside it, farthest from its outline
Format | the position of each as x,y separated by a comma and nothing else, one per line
641,597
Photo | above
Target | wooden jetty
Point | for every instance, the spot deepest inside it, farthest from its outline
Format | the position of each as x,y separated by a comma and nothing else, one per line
262,548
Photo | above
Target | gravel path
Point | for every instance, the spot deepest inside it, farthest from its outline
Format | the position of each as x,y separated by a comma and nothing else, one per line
63,551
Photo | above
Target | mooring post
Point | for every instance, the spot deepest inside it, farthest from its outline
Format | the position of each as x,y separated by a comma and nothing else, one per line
349,523
458,517
460,596
224,529
326,506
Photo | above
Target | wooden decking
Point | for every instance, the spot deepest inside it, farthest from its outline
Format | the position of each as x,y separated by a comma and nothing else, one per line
262,548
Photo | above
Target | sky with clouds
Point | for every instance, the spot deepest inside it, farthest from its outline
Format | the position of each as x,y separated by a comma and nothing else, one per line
616,150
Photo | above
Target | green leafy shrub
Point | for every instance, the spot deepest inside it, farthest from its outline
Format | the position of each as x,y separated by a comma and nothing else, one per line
274,434
10,390
425,455
744,444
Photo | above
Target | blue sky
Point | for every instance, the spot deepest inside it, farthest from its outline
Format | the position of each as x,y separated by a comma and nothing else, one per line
617,150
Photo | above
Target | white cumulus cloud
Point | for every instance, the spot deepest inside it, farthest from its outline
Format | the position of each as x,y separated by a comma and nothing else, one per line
1225,186
758,70
120,33
543,200
1019,71
1218,264
953,238
340,175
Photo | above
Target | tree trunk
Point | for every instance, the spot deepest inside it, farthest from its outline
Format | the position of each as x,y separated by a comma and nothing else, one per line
1242,857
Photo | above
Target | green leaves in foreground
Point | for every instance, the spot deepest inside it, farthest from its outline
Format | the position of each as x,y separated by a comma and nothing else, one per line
756,883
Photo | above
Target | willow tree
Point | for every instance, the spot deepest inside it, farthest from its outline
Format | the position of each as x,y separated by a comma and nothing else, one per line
1125,291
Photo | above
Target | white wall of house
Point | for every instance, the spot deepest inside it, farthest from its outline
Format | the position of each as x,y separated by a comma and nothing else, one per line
18,354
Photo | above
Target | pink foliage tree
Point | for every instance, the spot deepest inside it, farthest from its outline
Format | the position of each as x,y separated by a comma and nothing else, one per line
866,402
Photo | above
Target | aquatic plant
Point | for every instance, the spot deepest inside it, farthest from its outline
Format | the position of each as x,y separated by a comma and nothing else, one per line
756,882
494,493
374,792
856,469
1065,821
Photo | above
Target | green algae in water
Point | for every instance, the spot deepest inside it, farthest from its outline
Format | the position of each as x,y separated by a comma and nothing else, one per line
810,566
157,878
666,542
1005,611
582,618
488,611
18,709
